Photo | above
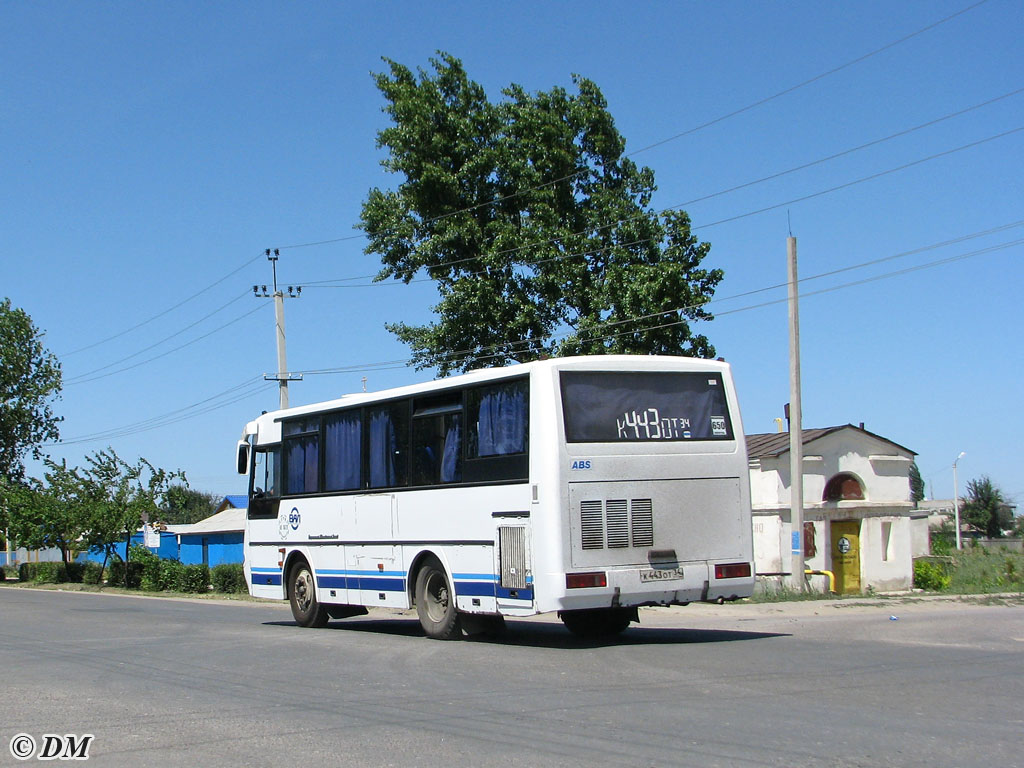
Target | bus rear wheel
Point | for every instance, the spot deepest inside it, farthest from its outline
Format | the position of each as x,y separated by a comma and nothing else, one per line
598,622
307,610
435,603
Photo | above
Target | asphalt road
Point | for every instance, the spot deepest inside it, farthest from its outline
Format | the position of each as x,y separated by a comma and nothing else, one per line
164,682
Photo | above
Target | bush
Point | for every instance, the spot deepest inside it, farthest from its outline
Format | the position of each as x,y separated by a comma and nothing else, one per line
172,576
48,573
943,541
229,578
930,576
116,574
196,578
92,573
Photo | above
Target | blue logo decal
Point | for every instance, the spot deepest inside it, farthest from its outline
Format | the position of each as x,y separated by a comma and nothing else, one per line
294,519
582,464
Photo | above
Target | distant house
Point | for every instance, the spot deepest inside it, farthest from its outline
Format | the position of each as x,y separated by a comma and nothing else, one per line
857,507
217,539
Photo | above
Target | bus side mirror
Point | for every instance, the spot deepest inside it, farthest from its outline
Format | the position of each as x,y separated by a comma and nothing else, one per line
243,457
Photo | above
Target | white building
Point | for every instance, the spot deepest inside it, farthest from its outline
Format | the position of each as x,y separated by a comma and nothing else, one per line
857,507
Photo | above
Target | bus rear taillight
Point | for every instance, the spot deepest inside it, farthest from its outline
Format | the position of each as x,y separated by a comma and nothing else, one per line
732,571
584,580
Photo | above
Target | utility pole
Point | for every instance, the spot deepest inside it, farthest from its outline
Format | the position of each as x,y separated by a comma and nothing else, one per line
796,443
956,501
282,376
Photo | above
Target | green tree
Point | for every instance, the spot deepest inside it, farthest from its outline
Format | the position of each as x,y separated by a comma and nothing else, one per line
130,494
183,505
30,380
986,509
916,483
532,223
55,511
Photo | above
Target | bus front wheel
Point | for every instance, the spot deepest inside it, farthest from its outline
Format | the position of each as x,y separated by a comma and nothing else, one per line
598,622
307,610
435,603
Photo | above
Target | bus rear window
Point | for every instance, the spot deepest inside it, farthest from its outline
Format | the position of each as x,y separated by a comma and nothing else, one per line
612,407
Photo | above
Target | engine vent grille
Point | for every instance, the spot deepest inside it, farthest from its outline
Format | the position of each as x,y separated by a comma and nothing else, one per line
512,544
615,523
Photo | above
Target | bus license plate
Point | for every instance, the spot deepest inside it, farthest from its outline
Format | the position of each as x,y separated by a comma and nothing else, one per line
661,574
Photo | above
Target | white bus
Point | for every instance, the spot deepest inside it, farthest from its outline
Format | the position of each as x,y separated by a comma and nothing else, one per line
589,486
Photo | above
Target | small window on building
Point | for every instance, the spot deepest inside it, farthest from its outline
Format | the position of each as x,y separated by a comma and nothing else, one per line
810,548
886,541
843,487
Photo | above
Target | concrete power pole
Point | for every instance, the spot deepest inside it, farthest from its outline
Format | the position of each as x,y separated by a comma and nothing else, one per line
796,444
282,376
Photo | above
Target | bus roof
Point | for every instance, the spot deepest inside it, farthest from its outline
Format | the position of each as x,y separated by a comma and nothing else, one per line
591,362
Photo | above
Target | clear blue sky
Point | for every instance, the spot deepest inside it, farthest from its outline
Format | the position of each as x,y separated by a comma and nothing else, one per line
149,150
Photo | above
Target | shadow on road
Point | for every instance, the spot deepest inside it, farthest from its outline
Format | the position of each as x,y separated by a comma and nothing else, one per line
546,634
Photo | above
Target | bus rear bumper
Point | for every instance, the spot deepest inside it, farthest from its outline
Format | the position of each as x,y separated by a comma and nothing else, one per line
691,583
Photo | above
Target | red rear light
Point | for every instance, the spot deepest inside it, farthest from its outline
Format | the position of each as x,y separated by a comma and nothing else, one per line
583,580
732,571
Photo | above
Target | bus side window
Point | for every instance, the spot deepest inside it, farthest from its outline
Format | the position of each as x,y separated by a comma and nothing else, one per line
498,420
267,470
437,449
388,461
302,455
343,451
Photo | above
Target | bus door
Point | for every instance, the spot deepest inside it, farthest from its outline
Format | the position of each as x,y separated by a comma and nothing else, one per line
374,567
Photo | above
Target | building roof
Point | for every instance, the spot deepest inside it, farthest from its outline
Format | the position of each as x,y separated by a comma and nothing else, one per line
228,521
233,502
774,444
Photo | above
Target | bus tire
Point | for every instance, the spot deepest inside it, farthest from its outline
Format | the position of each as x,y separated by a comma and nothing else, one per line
435,602
307,610
598,622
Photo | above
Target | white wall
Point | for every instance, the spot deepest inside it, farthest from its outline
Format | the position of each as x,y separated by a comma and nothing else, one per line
886,553
882,470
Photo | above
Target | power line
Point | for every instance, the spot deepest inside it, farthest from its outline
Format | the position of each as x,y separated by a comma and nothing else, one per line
383,365
556,241
814,79
687,132
160,314
253,387
169,351
74,379
250,386
860,180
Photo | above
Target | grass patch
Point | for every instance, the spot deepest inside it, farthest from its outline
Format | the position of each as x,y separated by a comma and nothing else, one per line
771,591
978,570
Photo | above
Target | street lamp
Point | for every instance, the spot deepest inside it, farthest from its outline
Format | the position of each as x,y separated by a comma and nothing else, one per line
956,505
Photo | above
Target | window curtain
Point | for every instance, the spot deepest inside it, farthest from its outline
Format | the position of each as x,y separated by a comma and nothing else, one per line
451,467
342,452
382,450
502,423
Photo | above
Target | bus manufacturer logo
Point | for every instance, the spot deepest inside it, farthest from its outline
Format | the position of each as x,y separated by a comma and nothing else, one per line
294,518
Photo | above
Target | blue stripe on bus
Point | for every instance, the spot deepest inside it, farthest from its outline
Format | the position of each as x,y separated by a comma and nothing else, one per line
377,583
263,578
466,584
